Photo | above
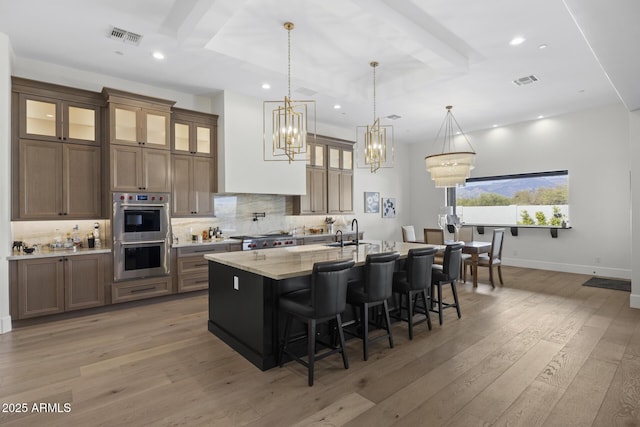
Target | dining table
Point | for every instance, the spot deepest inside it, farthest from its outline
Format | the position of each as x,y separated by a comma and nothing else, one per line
475,248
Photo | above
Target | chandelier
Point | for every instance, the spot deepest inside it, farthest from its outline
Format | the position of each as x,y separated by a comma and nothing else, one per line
285,123
372,140
452,166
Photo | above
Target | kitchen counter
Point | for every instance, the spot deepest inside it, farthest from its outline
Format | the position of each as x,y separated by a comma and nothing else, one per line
294,261
191,244
47,253
244,288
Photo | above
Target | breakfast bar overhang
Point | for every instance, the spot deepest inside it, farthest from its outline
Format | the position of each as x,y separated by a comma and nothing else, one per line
244,288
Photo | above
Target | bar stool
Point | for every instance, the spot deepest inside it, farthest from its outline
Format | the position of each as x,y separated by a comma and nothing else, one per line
372,291
322,302
448,272
413,282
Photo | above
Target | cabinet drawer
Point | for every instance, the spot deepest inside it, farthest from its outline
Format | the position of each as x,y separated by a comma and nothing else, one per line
193,282
202,249
192,264
140,289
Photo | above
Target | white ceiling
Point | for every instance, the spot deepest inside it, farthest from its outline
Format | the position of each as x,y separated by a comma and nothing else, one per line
431,53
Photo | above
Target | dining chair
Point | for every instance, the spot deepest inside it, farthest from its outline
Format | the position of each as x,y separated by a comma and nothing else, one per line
493,259
465,234
408,233
435,236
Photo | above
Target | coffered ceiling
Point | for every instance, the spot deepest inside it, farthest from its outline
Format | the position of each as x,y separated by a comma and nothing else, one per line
431,53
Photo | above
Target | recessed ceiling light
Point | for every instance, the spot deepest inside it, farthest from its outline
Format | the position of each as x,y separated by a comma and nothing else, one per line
541,117
495,126
158,55
543,46
516,41
337,107
266,86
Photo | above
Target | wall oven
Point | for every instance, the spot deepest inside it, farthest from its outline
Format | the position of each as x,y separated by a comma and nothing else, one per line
141,235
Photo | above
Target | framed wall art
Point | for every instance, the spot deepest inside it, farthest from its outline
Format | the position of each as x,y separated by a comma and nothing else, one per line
371,202
389,207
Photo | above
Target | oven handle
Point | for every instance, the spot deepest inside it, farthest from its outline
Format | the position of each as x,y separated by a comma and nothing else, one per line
142,242
142,205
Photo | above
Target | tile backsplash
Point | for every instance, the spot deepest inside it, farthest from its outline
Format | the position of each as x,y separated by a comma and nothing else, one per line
234,215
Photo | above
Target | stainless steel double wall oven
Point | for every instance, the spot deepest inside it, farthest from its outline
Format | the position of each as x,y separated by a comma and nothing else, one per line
141,235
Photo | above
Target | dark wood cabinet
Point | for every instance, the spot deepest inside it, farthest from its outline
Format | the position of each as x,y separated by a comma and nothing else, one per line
58,284
329,178
193,186
56,152
137,119
140,169
193,269
194,133
58,181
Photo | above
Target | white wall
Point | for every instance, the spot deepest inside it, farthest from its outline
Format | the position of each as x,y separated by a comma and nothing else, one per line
241,152
634,140
594,146
5,179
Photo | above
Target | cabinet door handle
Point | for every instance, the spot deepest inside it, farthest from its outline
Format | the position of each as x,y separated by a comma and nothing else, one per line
200,265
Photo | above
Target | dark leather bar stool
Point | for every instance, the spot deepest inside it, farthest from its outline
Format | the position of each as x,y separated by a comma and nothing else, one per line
322,302
413,282
448,272
374,290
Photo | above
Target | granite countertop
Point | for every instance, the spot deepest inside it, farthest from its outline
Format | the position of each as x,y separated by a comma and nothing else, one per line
294,261
47,253
191,244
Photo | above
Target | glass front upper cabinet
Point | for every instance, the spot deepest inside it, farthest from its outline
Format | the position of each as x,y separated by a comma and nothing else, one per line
51,119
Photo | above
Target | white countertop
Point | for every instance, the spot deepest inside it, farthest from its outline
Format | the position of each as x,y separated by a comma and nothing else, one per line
191,244
294,261
46,253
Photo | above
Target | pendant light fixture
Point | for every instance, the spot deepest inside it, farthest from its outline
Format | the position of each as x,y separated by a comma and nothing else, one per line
452,166
375,142
285,124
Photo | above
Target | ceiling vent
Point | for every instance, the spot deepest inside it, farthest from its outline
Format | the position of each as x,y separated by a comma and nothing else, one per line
125,36
525,80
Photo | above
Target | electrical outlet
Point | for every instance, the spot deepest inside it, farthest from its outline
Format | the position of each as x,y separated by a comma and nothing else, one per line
236,283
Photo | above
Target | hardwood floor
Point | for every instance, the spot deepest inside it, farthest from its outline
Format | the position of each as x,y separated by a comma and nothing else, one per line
542,350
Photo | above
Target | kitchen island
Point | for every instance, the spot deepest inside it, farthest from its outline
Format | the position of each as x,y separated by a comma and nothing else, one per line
244,288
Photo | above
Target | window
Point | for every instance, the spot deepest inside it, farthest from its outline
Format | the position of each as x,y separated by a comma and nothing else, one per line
530,199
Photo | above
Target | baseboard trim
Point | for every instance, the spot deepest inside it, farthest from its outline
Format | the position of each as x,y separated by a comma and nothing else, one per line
634,301
617,273
5,324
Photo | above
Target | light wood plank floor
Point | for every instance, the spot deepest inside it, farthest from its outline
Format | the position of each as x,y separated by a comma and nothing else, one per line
542,350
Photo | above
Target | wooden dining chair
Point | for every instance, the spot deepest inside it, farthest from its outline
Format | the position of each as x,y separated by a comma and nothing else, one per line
435,236
493,259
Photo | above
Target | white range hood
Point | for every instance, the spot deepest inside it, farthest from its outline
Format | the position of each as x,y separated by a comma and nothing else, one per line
241,168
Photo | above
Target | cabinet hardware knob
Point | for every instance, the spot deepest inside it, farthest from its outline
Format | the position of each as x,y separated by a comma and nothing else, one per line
64,213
